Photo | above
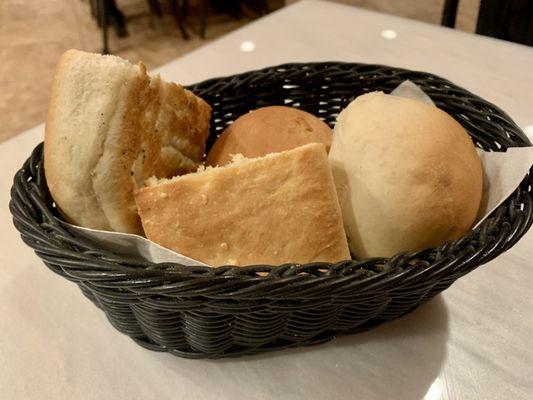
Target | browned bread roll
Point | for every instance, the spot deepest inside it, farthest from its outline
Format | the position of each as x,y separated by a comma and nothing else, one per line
272,210
109,127
407,175
268,130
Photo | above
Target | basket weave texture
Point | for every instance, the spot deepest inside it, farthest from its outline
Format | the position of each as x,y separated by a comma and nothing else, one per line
200,312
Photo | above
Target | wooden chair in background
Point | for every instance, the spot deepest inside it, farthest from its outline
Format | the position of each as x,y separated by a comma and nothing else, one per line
106,12
503,19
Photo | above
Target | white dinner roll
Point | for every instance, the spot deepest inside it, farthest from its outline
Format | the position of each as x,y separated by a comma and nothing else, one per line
407,175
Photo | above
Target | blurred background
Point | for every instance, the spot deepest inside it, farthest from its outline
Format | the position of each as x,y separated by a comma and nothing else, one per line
34,33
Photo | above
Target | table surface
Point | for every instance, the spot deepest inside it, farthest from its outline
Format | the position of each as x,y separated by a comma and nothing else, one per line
473,341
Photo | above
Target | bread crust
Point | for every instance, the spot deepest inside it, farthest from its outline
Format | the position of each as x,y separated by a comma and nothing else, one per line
268,130
271,210
109,127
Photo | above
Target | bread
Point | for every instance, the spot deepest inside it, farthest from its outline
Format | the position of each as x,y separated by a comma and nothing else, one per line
276,209
268,130
407,175
109,127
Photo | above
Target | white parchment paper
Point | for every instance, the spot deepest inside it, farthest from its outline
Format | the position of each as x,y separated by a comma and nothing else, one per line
132,245
503,172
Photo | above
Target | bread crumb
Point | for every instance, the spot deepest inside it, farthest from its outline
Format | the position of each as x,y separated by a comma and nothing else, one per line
235,158
204,168
163,195
224,245
204,199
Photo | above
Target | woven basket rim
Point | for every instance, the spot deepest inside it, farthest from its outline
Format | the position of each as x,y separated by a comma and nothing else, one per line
325,64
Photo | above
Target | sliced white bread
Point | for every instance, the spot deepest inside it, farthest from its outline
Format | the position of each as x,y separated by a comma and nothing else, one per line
109,127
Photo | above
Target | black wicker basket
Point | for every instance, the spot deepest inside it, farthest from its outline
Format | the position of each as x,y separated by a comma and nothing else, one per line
201,312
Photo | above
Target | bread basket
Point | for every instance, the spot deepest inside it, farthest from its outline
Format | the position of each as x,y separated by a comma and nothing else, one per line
201,312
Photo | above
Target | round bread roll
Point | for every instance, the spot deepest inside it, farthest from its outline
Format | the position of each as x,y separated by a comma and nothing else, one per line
407,175
268,130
